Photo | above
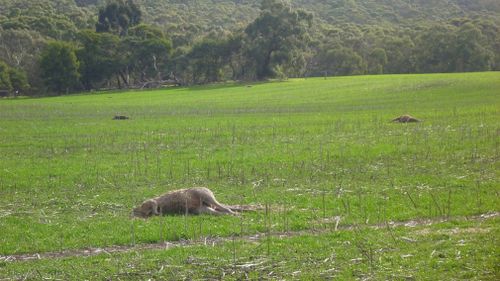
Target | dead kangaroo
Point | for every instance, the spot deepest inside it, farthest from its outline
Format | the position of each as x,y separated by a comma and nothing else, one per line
405,119
196,200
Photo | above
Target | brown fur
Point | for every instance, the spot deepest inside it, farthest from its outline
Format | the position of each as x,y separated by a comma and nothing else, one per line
405,119
196,200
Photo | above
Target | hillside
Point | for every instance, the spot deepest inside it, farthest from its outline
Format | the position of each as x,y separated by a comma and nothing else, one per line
210,41
236,14
226,14
233,14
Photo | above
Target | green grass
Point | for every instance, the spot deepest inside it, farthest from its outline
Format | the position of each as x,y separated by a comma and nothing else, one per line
449,251
70,175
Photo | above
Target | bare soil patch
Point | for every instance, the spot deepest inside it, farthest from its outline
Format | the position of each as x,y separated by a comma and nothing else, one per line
212,241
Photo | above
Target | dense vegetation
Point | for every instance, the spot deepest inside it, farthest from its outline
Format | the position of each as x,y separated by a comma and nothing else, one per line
141,43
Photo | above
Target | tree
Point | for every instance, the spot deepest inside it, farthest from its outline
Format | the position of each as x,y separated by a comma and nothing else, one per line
21,49
207,60
400,51
19,81
209,57
470,51
118,16
453,49
146,51
98,57
59,67
377,61
5,83
273,36
342,61
12,80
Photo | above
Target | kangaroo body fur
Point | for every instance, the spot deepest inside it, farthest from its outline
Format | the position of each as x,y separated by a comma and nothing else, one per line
196,200
405,119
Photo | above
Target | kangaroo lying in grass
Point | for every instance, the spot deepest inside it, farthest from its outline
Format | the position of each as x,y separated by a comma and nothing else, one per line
196,200
405,119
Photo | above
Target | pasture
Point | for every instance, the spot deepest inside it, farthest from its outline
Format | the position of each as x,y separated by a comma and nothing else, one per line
319,155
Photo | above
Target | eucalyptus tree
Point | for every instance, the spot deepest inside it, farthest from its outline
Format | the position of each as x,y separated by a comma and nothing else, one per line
118,16
99,58
5,84
144,52
59,67
272,38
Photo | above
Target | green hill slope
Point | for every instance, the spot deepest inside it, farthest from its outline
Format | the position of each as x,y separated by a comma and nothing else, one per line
220,12
208,14
346,37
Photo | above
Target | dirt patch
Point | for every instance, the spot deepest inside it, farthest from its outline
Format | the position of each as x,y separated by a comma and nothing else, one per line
245,208
212,241
453,231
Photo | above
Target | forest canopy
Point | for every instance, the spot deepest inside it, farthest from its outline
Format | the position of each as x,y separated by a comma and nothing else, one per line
63,46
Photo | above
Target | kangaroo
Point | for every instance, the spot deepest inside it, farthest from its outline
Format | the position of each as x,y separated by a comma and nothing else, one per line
405,119
196,200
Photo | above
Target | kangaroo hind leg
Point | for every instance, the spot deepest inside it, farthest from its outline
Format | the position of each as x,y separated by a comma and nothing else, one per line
208,199
207,210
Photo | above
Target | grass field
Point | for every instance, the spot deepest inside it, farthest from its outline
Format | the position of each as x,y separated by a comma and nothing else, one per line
313,151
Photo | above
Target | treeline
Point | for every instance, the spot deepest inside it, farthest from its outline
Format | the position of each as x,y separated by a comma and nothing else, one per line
49,47
460,45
